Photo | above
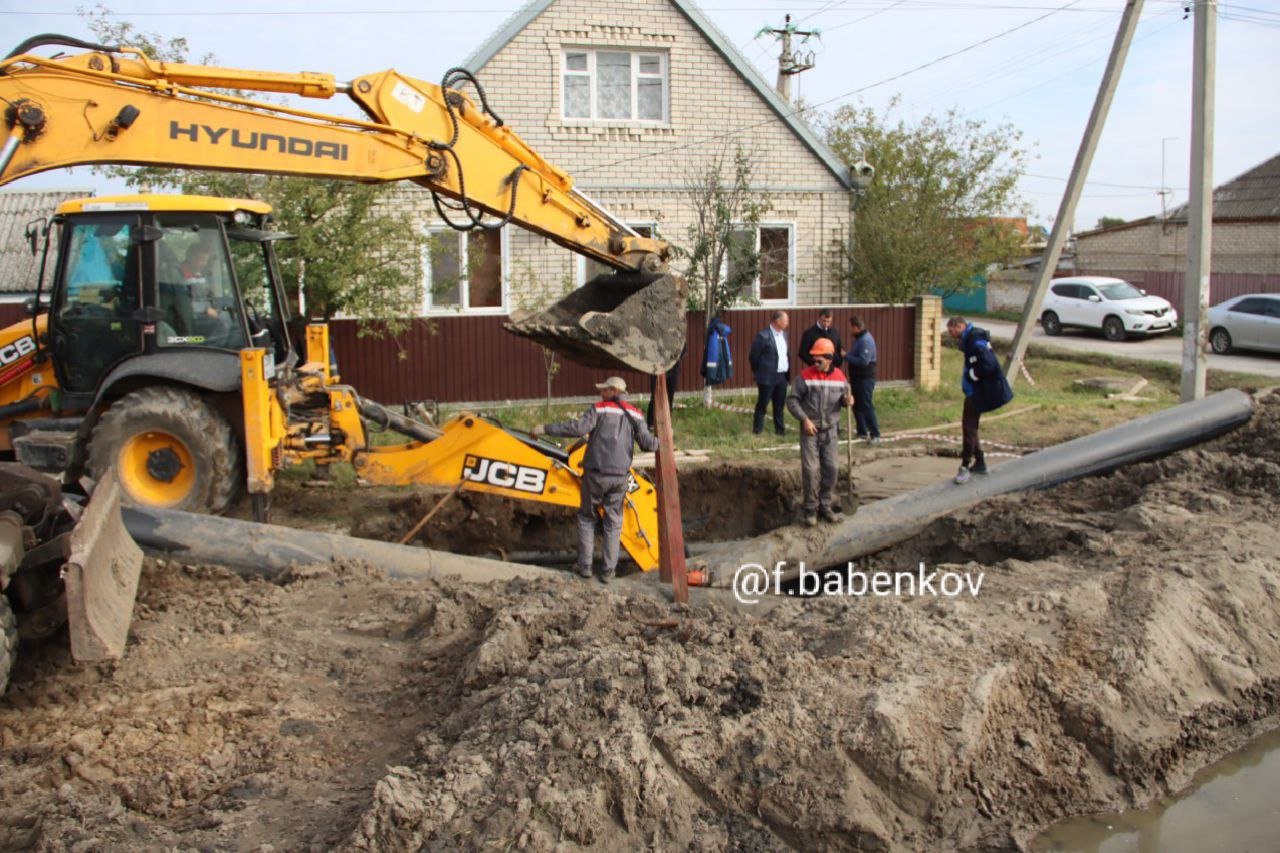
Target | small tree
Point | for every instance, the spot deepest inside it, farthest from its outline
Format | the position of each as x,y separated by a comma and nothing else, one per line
1109,221
932,218
358,258
722,257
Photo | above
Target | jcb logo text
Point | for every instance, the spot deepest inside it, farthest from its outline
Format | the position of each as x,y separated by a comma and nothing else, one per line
508,475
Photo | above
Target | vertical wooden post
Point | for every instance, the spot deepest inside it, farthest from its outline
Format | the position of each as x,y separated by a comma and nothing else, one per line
671,566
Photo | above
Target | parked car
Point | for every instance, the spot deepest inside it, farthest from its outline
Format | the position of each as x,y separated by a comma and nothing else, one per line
1251,321
1111,305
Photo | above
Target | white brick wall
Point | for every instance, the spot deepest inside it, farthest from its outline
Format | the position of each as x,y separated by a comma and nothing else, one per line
639,173
1238,247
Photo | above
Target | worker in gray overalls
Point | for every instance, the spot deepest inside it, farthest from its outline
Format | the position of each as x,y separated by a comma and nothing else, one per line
818,393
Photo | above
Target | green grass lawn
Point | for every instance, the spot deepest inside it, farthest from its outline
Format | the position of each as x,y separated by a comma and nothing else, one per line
1063,410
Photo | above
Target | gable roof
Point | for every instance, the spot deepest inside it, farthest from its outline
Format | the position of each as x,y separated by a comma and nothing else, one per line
531,10
1253,195
18,267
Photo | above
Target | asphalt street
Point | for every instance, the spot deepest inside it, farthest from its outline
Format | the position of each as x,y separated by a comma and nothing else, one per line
1166,348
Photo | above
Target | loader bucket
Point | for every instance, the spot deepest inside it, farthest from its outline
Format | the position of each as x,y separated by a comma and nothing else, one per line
621,321
101,577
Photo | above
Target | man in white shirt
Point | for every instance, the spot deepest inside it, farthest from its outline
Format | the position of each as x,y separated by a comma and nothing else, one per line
772,372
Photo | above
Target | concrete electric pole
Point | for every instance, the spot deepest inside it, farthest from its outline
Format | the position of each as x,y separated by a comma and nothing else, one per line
789,63
1195,290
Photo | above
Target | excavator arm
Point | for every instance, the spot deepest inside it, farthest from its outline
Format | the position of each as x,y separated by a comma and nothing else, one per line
116,105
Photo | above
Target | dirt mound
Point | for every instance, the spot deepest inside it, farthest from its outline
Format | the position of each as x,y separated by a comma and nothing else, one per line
1125,633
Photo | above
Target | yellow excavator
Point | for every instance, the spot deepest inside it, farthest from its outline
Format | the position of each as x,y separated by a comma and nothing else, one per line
161,359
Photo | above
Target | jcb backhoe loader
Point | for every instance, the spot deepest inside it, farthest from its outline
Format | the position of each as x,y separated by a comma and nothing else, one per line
181,379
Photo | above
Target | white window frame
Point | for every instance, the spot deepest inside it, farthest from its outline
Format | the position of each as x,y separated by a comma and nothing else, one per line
790,300
664,57
580,268
428,308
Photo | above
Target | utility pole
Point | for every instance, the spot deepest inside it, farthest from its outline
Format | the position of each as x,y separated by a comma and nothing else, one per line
789,63
1067,210
1195,290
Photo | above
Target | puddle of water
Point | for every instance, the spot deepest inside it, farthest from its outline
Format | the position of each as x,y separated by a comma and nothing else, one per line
1231,805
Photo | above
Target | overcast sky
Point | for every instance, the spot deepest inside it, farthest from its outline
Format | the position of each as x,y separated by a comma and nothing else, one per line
1034,64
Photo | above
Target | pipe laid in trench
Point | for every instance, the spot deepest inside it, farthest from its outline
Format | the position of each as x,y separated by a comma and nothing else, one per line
877,526
263,550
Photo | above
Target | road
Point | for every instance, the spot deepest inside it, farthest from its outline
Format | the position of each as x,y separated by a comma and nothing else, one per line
1166,348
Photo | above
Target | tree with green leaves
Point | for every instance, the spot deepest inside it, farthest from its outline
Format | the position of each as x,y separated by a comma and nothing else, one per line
722,258
1109,222
937,214
352,254
721,255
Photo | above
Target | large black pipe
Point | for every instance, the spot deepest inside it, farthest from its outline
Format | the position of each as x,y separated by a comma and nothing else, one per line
264,550
879,525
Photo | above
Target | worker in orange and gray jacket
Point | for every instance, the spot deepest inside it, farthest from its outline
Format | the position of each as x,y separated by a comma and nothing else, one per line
611,426
818,394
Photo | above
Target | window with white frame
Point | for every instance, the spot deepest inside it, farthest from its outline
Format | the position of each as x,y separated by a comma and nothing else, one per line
614,85
589,268
464,270
775,268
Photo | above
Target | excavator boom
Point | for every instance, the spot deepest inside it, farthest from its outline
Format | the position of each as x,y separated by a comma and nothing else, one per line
116,105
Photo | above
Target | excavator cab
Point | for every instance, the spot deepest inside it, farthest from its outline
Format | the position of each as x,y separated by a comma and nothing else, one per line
173,277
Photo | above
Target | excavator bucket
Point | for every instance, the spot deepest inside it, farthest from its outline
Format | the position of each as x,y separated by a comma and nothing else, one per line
101,577
621,321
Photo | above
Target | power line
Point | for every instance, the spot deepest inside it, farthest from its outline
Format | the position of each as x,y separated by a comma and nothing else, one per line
735,131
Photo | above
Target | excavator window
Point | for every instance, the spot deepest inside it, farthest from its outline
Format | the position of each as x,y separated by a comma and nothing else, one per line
195,287
95,323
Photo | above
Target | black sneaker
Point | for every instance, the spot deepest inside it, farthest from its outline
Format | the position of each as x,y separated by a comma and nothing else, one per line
979,468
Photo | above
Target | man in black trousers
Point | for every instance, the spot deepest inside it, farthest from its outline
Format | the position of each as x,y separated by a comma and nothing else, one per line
772,372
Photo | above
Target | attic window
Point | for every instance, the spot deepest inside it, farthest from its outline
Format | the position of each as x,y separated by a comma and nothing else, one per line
614,85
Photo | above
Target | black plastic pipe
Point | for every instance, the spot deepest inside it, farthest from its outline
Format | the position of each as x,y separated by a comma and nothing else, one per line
879,525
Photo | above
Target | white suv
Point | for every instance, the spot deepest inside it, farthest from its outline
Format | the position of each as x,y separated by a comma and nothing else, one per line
1112,305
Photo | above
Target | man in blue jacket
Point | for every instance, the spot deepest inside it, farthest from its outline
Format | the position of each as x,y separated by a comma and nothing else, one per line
985,390
860,367
771,371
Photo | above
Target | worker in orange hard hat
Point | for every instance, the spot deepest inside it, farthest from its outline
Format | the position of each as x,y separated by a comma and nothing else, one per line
818,394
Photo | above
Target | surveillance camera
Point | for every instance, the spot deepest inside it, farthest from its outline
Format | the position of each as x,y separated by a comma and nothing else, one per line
863,169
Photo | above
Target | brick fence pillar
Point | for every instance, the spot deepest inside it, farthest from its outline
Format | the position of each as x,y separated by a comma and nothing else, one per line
928,363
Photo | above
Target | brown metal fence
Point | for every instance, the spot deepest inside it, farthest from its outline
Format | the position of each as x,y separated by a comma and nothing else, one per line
462,358
1169,284
456,359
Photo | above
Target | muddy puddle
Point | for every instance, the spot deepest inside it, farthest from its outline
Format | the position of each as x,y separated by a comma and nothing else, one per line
1230,805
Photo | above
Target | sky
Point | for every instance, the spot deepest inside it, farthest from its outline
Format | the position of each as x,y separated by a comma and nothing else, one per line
1033,65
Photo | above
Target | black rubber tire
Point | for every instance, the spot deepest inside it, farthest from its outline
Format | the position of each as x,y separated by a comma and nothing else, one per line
219,464
1220,340
1050,323
1113,329
8,642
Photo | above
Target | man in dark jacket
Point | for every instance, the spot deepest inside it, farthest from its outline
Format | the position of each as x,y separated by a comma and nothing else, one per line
860,366
611,427
771,371
824,328
985,390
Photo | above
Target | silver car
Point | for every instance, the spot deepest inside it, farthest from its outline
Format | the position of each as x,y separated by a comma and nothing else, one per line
1251,321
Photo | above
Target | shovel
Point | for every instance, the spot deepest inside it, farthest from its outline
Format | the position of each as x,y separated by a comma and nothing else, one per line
101,577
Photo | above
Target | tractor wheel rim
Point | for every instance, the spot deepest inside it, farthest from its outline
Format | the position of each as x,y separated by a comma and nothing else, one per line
156,468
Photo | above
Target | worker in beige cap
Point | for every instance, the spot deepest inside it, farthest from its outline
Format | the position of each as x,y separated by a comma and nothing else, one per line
612,426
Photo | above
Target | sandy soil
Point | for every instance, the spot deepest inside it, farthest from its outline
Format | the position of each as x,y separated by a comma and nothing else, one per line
1127,632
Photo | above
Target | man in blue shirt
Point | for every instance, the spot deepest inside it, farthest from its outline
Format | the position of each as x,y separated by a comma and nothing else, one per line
860,365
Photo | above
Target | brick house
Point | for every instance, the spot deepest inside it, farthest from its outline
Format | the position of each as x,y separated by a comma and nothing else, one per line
633,98
1152,252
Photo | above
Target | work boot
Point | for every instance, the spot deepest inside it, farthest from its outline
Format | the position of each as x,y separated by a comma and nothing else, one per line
608,575
962,476
829,515
810,520
583,571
